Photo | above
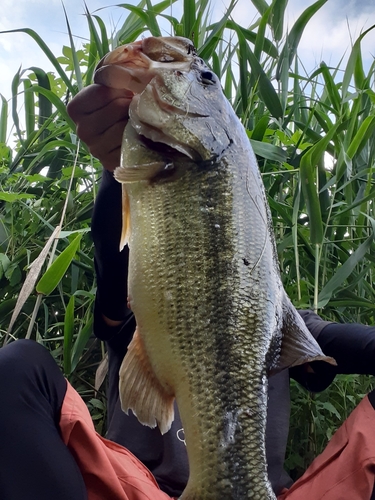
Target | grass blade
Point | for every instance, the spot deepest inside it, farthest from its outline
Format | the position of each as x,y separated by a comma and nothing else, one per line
294,37
32,276
52,277
81,341
68,336
77,68
3,119
344,271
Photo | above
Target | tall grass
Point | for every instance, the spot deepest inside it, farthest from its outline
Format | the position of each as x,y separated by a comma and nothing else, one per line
323,217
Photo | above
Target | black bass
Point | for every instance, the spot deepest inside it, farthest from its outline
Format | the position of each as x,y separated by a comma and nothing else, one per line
213,319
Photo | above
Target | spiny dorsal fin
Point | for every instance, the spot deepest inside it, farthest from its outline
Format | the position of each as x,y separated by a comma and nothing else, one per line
141,392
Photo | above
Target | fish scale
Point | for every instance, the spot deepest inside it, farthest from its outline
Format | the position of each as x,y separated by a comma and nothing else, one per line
213,319
203,257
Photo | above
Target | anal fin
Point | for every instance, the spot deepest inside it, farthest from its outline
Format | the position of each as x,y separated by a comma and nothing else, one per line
140,390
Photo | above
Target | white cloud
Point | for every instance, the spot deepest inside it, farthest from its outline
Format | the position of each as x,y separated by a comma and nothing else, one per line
326,35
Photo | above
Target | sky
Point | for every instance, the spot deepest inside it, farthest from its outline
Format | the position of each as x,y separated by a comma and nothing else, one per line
327,37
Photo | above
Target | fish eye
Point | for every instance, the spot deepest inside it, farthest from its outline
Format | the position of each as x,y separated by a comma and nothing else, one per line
208,78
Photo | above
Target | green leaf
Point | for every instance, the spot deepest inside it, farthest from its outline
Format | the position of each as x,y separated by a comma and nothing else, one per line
68,336
45,105
52,277
269,151
15,84
329,407
354,65
265,87
77,68
267,46
294,37
365,131
259,43
277,18
152,23
4,264
260,5
344,271
308,165
56,101
13,274
3,119
12,197
331,88
189,18
81,341
29,108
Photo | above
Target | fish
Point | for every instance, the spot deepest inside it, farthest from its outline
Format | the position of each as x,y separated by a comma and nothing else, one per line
213,319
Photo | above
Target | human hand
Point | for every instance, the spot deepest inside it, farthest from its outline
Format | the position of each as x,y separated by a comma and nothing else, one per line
101,114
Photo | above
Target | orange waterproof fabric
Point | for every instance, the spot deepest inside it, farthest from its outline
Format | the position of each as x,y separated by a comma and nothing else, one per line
109,470
346,468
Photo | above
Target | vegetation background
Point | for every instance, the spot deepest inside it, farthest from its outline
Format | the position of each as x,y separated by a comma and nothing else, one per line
314,138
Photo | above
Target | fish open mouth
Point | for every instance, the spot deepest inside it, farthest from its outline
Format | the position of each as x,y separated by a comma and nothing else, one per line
133,67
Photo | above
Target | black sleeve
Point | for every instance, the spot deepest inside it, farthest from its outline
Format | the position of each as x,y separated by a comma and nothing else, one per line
111,265
352,345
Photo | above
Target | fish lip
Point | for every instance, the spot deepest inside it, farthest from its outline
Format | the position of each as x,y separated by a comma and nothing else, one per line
132,67
130,54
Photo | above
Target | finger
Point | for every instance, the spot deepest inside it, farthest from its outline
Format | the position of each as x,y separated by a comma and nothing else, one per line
112,161
92,98
107,146
90,127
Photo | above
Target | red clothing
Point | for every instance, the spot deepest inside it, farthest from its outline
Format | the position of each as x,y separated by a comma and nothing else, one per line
345,470
109,470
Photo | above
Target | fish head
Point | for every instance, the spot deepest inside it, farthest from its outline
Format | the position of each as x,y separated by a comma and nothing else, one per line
184,109
178,104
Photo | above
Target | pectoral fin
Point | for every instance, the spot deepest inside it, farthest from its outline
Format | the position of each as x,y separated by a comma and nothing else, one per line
125,230
298,345
138,162
141,172
141,392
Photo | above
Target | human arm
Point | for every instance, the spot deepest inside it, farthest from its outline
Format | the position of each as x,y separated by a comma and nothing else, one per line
352,345
101,114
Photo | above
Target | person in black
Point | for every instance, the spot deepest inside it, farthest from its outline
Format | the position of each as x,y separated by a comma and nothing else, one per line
34,462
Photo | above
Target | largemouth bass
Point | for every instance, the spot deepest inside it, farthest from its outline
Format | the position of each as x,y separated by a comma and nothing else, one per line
213,319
